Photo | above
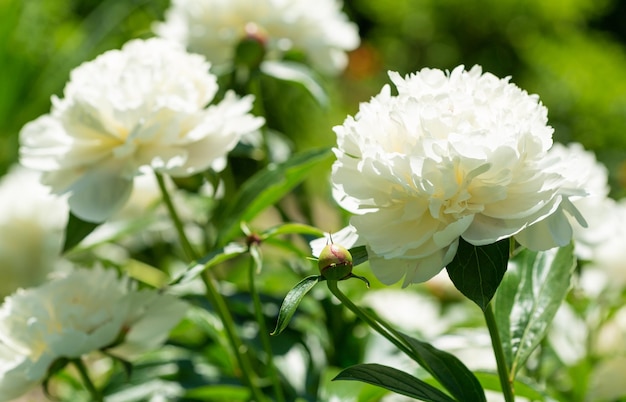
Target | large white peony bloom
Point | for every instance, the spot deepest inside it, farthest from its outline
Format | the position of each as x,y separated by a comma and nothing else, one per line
140,107
453,155
215,27
32,223
86,310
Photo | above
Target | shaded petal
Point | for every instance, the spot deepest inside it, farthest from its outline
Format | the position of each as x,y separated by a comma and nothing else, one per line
98,194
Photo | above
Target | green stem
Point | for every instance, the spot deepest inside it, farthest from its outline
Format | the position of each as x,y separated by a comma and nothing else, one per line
254,88
84,375
184,241
215,298
503,371
264,333
240,350
373,323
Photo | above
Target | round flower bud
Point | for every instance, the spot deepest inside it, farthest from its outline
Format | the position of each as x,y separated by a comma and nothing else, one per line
335,262
250,51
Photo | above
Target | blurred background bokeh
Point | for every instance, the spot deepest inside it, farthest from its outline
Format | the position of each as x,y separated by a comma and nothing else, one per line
572,53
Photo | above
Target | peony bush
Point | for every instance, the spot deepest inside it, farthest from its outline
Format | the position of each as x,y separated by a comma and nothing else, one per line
174,231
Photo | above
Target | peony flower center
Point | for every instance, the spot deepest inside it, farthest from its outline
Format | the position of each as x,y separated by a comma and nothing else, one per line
452,199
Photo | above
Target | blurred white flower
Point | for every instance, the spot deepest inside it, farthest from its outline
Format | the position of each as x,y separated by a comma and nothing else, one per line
607,380
568,335
133,109
607,266
215,27
453,155
32,227
84,311
610,335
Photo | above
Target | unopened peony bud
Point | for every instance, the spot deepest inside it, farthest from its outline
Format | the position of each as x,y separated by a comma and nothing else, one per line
335,262
250,52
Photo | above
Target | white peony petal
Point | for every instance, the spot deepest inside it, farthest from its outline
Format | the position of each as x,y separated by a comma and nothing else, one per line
15,374
159,314
98,194
346,237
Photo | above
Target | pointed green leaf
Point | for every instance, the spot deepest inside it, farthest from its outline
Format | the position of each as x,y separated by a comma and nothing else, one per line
215,257
393,380
76,230
532,291
448,370
478,270
266,188
298,74
292,300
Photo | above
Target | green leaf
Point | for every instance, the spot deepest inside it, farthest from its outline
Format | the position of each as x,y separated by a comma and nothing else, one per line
478,270
359,255
291,228
76,230
146,273
531,293
448,370
266,188
393,380
491,381
353,391
215,257
292,300
217,392
298,74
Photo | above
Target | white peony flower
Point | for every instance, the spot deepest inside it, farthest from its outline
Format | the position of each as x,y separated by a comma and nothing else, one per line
86,310
215,27
140,107
607,267
453,155
32,227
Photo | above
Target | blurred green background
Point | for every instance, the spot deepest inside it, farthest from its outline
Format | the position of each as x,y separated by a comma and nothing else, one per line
570,52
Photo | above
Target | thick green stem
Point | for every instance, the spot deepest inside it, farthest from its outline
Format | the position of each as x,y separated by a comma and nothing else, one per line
503,371
96,396
264,333
215,298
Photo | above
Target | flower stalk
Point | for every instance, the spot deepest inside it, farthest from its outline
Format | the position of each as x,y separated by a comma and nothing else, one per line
96,396
255,264
503,371
215,298
369,320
